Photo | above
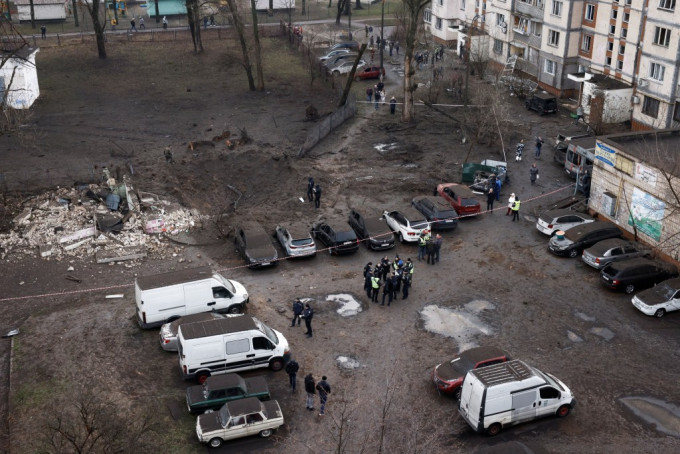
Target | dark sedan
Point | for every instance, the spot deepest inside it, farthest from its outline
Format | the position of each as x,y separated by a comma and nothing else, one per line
440,214
338,240
634,274
372,231
255,245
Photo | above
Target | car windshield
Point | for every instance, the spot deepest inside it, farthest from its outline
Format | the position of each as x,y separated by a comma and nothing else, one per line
666,290
550,379
466,201
227,283
462,364
271,335
302,242
224,416
451,214
345,236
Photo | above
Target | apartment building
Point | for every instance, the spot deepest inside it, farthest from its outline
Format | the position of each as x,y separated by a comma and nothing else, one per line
442,19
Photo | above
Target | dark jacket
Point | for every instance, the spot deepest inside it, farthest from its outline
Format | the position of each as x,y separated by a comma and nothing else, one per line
309,384
323,387
298,308
490,197
308,313
292,367
389,286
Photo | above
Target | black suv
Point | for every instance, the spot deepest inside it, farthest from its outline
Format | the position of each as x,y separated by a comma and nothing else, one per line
576,239
542,103
339,241
633,274
440,213
372,231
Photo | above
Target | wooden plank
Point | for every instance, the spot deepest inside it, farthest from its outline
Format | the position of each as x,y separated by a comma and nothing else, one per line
122,254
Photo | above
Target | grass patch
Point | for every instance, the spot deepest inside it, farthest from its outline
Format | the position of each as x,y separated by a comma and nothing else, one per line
35,395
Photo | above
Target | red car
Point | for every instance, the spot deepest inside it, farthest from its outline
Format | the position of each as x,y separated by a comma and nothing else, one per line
460,197
449,376
370,72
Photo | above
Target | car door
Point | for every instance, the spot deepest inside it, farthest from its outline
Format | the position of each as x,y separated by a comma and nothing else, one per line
254,423
263,348
674,302
630,251
236,428
548,401
239,354
322,234
390,218
524,405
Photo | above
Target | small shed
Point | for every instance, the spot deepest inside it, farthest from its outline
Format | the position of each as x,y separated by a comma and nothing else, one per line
19,78
44,10
166,8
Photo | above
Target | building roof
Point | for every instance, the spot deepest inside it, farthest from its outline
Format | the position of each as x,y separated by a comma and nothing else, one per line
608,83
658,148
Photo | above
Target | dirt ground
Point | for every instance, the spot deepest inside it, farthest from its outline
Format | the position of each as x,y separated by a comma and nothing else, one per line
496,282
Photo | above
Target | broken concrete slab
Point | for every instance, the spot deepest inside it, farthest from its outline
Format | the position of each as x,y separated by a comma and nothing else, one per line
73,246
45,250
83,233
23,216
122,254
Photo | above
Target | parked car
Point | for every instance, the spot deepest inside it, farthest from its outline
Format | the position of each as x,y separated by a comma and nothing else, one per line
338,240
633,274
551,221
372,231
542,103
370,72
663,297
237,419
333,53
346,67
220,389
440,214
449,376
338,59
460,197
353,45
168,332
408,224
296,241
613,250
578,238
255,245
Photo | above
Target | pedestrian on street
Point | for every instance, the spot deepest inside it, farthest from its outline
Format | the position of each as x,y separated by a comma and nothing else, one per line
377,41
310,389
368,282
396,47
539,144
369,94
511,203
205,22
375,287
533,173
324,390
132,24
308,315
298,309
292,369
212,19
490,197
165,23
43,31
579,114
310,189
141,23
498,189
317,196
391,47
168,156
393,105
406,284
388,291
519,150
430,250
371,43
366,28
376,96
515,210
437,246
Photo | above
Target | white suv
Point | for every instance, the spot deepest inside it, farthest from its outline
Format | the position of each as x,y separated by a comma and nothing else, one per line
407,224
553,220
346,67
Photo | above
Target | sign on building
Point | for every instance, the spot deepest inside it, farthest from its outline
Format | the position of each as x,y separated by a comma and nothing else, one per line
646,213
605,154
645,174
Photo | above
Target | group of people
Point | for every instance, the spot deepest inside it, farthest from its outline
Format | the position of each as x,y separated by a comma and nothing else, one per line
377,92
423,57
303,312
311,387
313,192
391,45
133,23
429,247
393,276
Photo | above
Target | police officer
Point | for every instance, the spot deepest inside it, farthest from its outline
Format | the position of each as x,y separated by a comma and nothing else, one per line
307,315
375,286
388,291
292,369
298,308
406,278
368,281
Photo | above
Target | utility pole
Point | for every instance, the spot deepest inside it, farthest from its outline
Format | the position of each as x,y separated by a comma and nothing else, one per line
382,38
468,48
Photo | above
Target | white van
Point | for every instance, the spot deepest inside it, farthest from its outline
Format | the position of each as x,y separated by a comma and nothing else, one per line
229,345
510,393
162,298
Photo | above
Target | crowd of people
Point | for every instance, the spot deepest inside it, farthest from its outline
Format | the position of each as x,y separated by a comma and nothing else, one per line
392,276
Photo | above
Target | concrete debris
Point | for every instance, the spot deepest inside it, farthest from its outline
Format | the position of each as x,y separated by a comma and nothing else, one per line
117,295
11,333
121,255
80,234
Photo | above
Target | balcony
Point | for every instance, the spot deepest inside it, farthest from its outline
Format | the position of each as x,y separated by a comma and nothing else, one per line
534,10
530,40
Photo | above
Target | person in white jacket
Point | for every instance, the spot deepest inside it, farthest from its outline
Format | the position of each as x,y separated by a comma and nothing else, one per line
511,202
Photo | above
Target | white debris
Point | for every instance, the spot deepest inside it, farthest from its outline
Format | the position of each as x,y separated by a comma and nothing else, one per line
348,305
347,363
117,295
461,324
70,268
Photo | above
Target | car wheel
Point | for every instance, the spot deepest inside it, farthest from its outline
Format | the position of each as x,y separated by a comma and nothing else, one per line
630,288
660,313
573,253
457,393
276,364
401,238
494,429
201,377
265,433
235,310
563,411
215,442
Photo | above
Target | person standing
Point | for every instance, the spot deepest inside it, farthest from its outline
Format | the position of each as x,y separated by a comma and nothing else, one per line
324,390
388,291
490,197
370,41
396,47
511,203
515,210
292,369
376,96
498,189
579,114
310,390
391,47
375,288
368,281
132,24
366,28
308,315
205,22
406,284
437,246
539,144
317,196
533,173
298,309
422,245
385,267
43,31
429,247
212,20
141,23
165,23
393,105
310,189
519,150
369,94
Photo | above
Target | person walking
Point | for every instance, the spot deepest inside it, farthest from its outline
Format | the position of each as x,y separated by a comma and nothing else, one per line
429,246
310,389
292,369
437,246
533,173
515,210
324,390
132,24
317,196
511,202
396,47
43,32
579,114
369,94
490,197
141,23
375,288
165,23
519,150
391,47
308,315
310,189
298,309
388,291
393,105
539,144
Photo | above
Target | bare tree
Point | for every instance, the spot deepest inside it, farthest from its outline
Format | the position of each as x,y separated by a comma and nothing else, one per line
98,24
74,5
341,5
411,18
194,19
309,56
257,48
238,25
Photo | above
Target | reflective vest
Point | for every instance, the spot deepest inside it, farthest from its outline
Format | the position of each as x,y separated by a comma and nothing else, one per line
375,282
515,207
422,241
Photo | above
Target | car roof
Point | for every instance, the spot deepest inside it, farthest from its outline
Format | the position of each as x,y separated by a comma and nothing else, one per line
642,261
603,246
217,326
463,190
566,212
200,317
410,213
438,202
224,381
673,283
174,277
255,232
481,353
589,227
244,406
545,96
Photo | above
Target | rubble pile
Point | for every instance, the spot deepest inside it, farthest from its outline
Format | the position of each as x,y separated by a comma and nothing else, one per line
110,221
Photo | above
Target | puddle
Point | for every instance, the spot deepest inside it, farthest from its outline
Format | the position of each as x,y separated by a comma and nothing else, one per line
348,305
574,337
584,317
348,363
604,333
664,415
460,324
386,147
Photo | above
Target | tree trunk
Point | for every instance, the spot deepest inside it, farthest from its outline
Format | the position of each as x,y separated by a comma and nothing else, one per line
304,7
158,15
413,10
350,77
74,5
30,2
193,16
341,8
93,9
238,25
258,48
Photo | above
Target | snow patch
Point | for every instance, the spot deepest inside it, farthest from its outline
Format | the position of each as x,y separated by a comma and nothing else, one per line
347,363
462,324
348,305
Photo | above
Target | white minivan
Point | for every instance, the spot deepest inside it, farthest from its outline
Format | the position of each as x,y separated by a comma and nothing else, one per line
510,393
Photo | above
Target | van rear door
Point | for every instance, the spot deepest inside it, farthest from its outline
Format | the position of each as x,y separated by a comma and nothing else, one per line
199,297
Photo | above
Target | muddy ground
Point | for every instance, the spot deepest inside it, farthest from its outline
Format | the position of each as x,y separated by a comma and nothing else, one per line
496,283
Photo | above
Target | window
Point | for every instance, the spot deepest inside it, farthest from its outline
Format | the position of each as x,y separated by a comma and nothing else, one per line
521,25
427,16
238,346
650,106
612,29
610,46
462,4
656,71
549,393
590,12
662,36
498,46
262,343
553,38
628,2
536,28
550,67
441,2
615,13
540,4
500,19
626,17
254,417
622,49
438,23
624,33
556,8
676,112
619,65
607,61
623,164
586,43
221,292
667,4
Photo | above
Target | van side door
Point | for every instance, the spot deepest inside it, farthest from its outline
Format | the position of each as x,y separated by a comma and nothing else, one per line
198,297
548,400
238,352
263,349
524,405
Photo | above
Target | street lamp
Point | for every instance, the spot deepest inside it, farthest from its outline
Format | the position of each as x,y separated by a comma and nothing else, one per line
468,46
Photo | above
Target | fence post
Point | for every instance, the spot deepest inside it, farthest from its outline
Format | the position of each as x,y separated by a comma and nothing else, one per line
58,40
174,35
